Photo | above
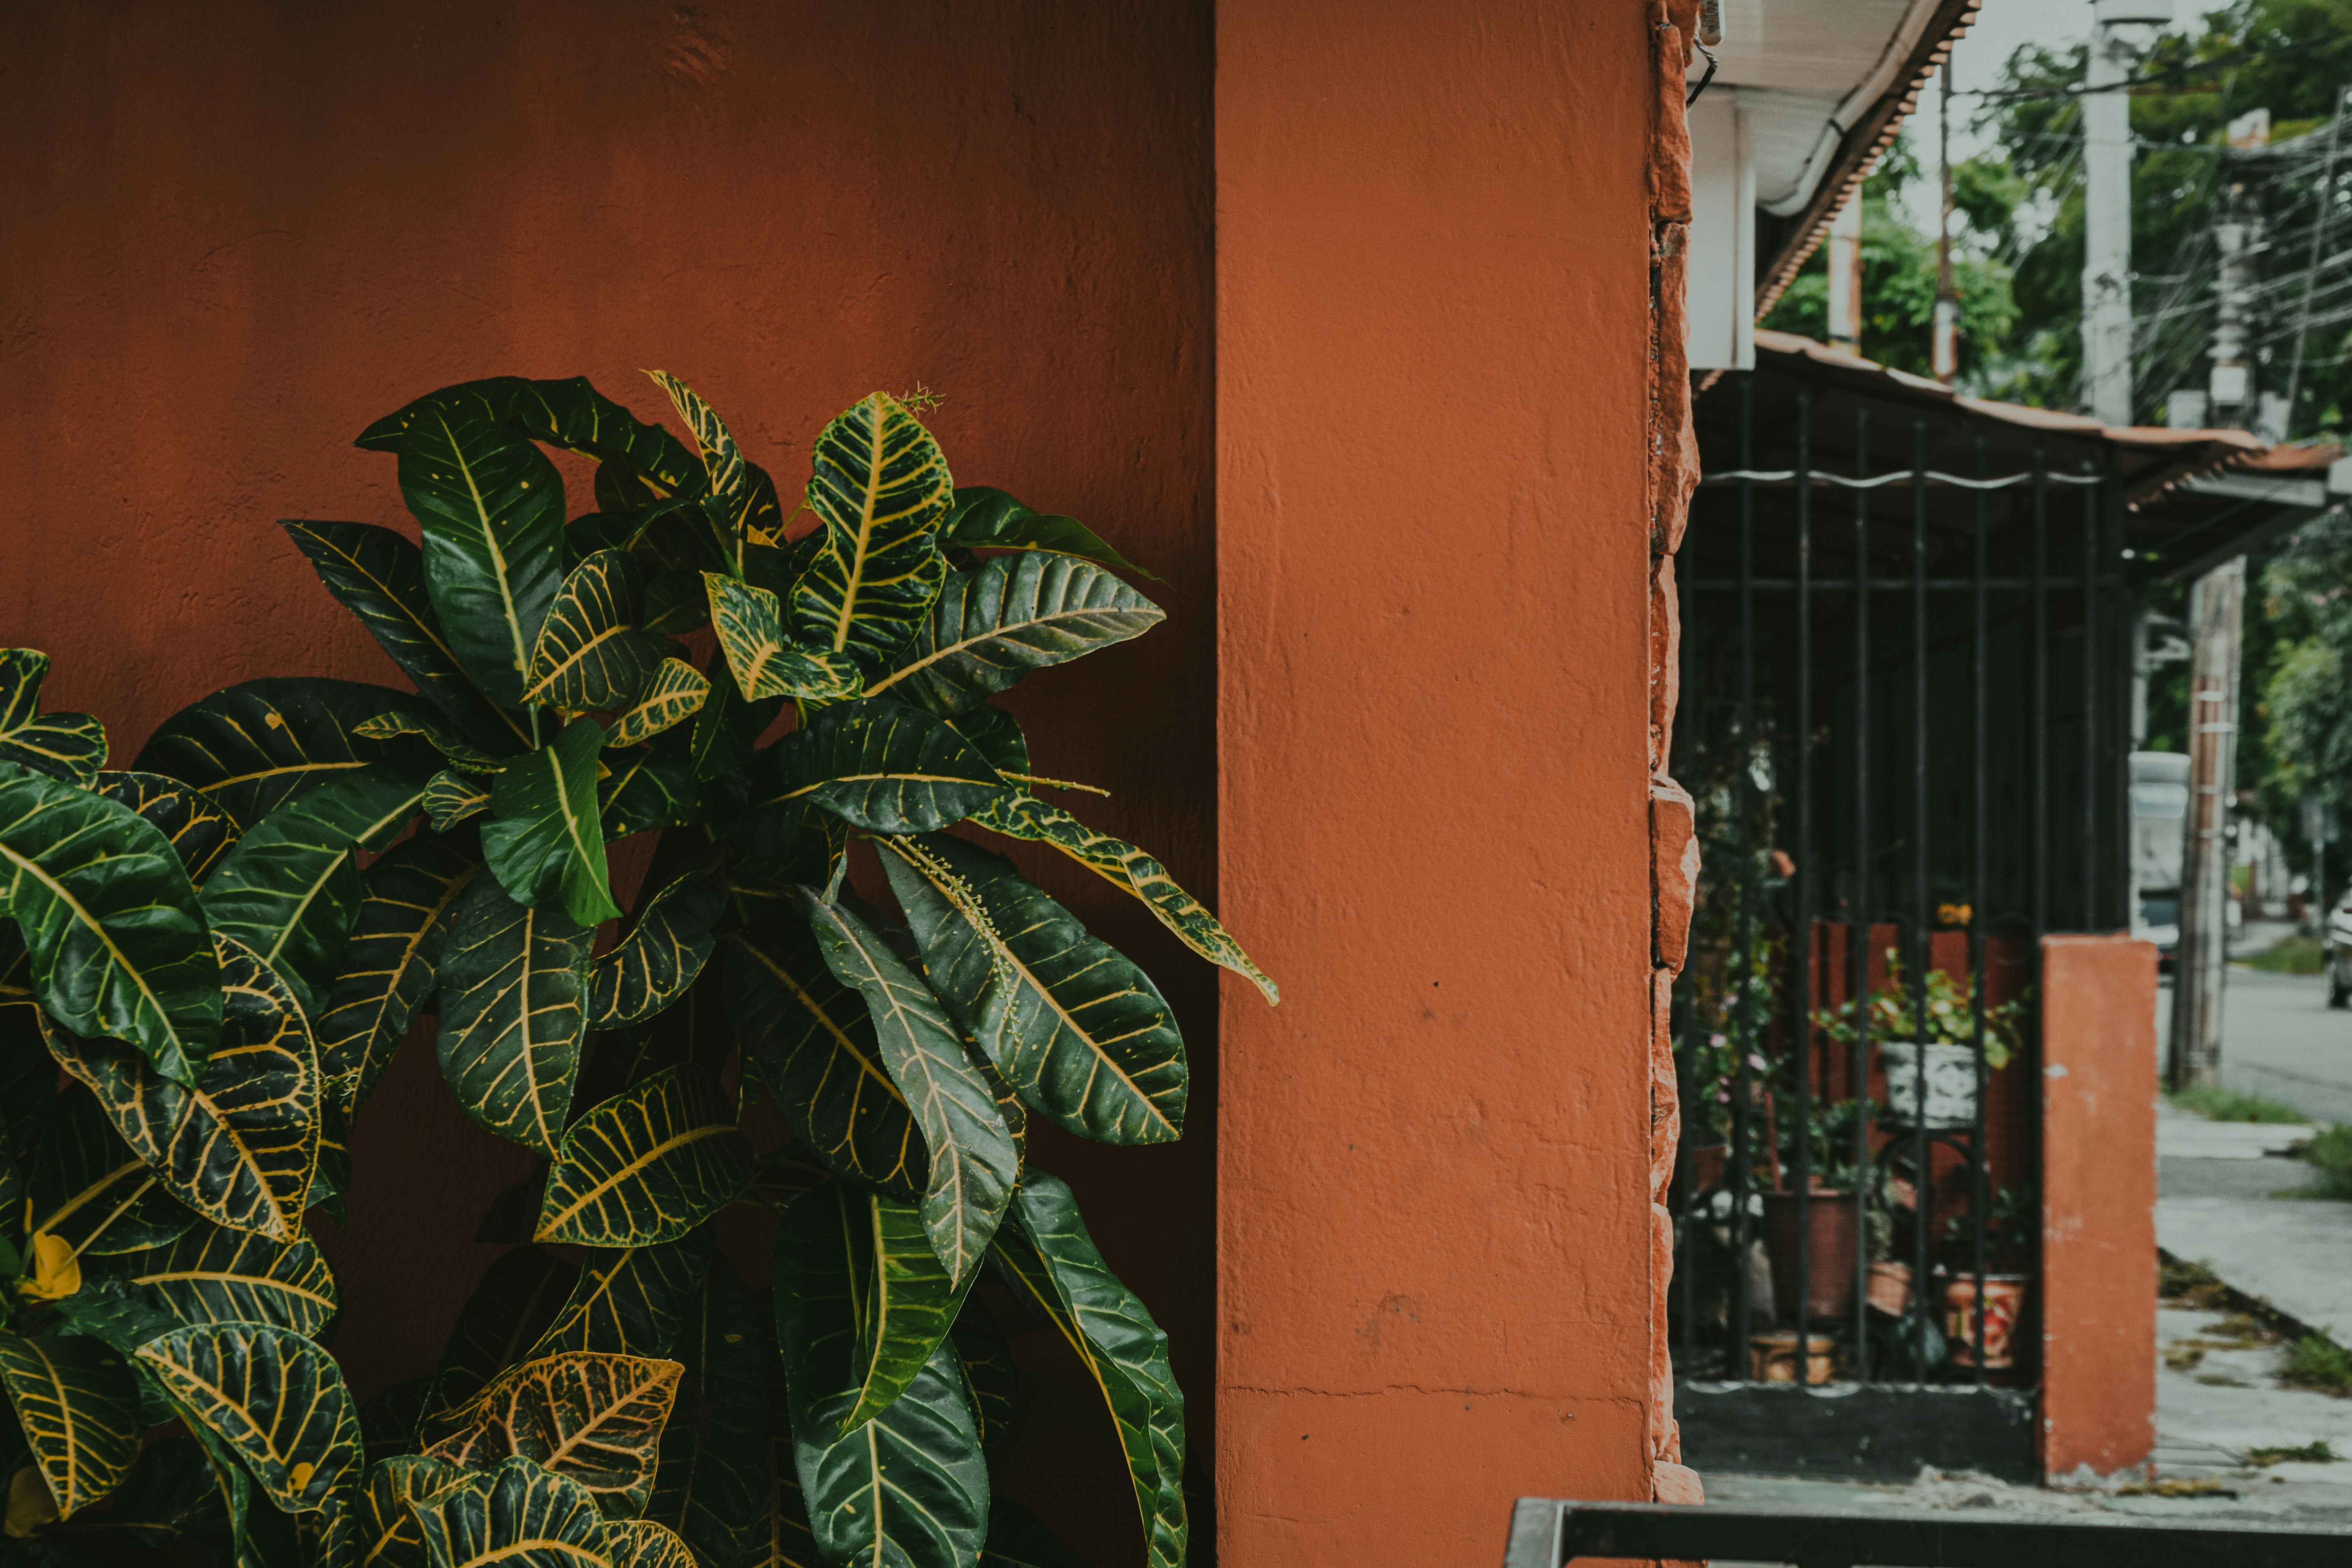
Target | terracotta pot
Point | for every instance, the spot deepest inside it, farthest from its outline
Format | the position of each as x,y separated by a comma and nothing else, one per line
2004,1301
1772,1357
1832,1222
1890,1287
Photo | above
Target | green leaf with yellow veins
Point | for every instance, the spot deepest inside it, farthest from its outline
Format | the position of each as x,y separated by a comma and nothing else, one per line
880,488
666,949
272,1397
544,841
69,746
592,653
78,1403
674,695
648,1165
512,984
766,661
199,831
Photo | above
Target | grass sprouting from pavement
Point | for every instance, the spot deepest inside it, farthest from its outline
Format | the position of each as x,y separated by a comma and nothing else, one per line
2331,1152
2319,1453
2192,1284
2228,1105
2319,1363
2293,953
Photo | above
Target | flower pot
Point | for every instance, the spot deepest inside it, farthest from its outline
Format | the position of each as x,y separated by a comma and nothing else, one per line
1833,1229
1772,1358
1890,1287
1951,1083
1707,1163
2004,1301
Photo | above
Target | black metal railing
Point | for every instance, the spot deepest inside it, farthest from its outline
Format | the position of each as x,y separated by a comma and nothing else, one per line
1905,733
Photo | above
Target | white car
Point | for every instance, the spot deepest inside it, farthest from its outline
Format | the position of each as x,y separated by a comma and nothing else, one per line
2339,953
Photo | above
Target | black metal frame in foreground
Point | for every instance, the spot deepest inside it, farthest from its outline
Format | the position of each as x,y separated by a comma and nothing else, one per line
1547,1534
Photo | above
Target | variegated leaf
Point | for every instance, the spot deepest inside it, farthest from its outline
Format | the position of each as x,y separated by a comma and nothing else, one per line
973,1167
909,1488
379,576
672,696
991,1382
648,1165
1121,864
650,787
408,898
238,1145
881,766
461,755
512,981
276,1400
1055,1266
217,1275
595,1419
665,951
765,662
863,1302
808,1037
115,937
451,797
252,747
69,746
712,1487
631,1301
290,890
590,653
567,413
390,1535
642,1544
518,1515
199,831
91,1192
881,486
1016,614
722,460
518,1298
77,1404
544,841
984,519
1072,1025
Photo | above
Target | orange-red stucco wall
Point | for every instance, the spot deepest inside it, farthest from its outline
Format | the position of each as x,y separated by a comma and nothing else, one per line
2098,1205
1434,413
238,232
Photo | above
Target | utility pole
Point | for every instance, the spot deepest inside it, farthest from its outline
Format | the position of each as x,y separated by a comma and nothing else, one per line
2196,1046
1946,347
2115,43
1845,276
2231,389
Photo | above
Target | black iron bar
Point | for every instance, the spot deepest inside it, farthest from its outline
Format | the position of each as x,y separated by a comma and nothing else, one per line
1891,584
1776,477
2092,782
2041,708
1978,978
1802,1037
1744,1036
1859,913
1920,1184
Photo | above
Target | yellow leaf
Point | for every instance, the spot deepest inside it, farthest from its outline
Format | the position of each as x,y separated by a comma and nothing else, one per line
57,1274
30,1503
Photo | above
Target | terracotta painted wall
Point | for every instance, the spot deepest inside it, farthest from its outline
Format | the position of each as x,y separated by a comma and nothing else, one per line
238,232
1437,394
2098,1205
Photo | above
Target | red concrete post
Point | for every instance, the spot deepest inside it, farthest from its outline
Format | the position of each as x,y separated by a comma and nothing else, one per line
2098,1205
1445,457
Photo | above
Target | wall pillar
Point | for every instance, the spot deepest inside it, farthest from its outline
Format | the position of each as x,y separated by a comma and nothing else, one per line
1451,460
2098,1205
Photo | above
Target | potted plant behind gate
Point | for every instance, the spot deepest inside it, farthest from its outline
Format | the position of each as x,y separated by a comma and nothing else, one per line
1936,1042
2010,1234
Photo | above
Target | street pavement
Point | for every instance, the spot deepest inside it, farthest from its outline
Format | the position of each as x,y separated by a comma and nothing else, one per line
2280,1039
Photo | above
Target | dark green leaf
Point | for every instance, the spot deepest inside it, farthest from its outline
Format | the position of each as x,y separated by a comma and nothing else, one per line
1054,1264
991,1379
569,413
589,653
240,1144
909,1488
117,941
808,1037
727,729
1016,613
451,797
379,576
713,1487
390,1535
973,1167
90,1190
643,1543
1018,1539
789,1541
544,841
648,1165
199,832
458,752
217,1275
882,767
648,788
273,1397
765,662
985,519
389,1419
79,1406
881,486
512,984
674,694
665,951
995,735
676,604
864,1303
516,1302
492,508
290,890
408,898
516,1516
252,747
594,1418
68,746
1078,1030
1019,815
631,1301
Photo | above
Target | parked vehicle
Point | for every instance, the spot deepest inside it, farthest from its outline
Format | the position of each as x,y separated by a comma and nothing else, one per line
2339,952
2159,819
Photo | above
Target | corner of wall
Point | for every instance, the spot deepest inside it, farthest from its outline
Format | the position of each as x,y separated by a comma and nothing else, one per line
1673,843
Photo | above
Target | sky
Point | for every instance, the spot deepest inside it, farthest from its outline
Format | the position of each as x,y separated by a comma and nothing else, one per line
2000,27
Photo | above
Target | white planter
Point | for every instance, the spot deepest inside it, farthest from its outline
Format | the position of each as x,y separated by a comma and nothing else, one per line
1951,1083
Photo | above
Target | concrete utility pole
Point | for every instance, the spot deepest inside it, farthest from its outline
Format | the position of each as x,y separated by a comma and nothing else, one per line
1946,349
2230,390
2196,1047
1845,276
2115,44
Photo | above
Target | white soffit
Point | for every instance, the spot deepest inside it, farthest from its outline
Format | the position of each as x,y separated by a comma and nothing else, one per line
1806,71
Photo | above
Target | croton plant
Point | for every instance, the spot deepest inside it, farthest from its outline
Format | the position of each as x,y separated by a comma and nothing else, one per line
209,959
